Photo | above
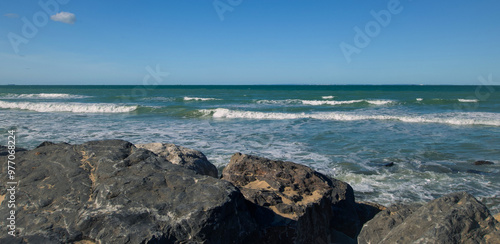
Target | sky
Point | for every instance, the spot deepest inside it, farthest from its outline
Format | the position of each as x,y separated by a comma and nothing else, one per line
239,42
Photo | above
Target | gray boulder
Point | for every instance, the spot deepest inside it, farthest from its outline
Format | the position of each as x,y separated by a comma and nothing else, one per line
454,218
113,192
185,157
295,203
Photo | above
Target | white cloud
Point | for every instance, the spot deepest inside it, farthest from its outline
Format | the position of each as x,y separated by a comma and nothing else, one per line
65,17
11,15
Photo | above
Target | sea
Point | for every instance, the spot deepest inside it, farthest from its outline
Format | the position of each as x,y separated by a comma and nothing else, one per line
391,143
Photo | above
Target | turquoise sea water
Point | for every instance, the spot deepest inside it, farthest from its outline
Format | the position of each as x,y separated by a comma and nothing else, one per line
432,134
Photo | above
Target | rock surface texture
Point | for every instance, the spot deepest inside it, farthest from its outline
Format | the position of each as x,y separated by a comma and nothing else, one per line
303,205
185,157
113,192
454,218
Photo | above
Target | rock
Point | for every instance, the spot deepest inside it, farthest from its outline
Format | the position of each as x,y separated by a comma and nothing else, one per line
188,158
483,162
389,164
497,217
454,218
113,192
300,204
367,210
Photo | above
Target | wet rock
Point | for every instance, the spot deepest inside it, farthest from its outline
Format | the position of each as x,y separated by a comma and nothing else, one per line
389,164
295,203
454,218
113,192
188,158
483,162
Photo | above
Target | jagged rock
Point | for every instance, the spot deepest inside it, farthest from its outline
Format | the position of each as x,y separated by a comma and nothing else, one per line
188,158
113,192
300,205
367,210
454,218
483,162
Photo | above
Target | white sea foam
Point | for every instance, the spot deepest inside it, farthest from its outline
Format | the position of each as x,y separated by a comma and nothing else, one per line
68,107
282,102
468,100
471,118
327,97
319,102
44,96
199,99
419,99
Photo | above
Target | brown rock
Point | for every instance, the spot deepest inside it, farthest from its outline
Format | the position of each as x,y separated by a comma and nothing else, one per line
454,218
185,157
301,200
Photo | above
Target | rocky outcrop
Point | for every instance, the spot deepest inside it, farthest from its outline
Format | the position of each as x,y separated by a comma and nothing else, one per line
113,192
454,218
302,205
185,157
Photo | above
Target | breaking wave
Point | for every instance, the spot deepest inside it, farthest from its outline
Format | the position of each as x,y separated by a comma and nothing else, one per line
68,107
472,118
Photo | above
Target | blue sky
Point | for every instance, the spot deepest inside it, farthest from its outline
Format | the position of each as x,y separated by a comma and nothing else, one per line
251,42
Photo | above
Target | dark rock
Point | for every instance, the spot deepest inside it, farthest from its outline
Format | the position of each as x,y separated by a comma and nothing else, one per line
483,162
185,157
367,210
454,218
305,206
113,192
389,164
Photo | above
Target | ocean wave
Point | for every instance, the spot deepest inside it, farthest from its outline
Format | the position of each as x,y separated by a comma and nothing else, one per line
472,118
200,99
327,97
319,102
44,96
323,102
281,102
468,100
68,107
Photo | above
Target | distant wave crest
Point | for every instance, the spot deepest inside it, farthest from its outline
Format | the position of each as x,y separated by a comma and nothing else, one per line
43,96
200,99
324,102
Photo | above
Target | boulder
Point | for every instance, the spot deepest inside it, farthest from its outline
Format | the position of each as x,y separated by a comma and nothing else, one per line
185,157
454,218
112,192
299,205
367,210
483,162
